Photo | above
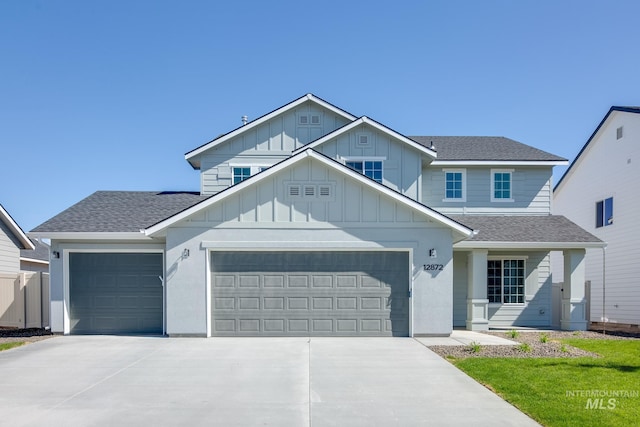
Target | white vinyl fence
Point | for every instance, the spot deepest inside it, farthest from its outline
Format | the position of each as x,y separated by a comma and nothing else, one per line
24,300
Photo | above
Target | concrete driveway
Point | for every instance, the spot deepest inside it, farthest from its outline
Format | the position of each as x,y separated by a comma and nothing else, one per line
134,381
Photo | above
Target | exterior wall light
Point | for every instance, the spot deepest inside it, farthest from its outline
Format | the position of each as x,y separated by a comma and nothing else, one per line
185,253
433,253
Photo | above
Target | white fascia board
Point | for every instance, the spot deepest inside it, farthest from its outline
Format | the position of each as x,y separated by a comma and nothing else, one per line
375,125
499,163
456,226
33,260
265,118
132,235
470,244
15,229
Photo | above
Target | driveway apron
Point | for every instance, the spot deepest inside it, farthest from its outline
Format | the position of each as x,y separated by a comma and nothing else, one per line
133,381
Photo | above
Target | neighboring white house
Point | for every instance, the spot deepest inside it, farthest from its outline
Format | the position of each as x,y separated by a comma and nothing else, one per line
600,192
312,221
12,241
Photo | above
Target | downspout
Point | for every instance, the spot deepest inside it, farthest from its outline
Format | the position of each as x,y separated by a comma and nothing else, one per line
604,317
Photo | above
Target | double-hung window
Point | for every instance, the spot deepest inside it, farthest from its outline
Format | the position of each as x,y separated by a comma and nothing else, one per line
370,168
604,212
455,185
505,281
501,185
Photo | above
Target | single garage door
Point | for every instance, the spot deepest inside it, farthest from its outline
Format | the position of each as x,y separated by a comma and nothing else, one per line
115,293
310,293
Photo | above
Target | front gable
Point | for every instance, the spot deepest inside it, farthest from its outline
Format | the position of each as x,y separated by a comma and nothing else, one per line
313,191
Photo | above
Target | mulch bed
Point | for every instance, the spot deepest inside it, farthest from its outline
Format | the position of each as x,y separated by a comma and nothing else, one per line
26,335
536,348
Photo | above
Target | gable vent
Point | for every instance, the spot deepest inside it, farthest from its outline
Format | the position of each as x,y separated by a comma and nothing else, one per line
324,190
315,120
303,120
309,190
294,190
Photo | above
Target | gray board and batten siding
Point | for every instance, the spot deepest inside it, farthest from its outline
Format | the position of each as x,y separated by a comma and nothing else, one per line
310,293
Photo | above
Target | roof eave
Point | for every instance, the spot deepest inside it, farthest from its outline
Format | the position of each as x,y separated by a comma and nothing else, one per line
15,229
500,163
474,244
93,235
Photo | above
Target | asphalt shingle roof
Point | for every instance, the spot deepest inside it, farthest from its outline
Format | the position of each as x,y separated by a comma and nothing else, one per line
525,228
483,148
119,211
41,252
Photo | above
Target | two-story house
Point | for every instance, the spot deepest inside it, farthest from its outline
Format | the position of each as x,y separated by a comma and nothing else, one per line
312,221
598,191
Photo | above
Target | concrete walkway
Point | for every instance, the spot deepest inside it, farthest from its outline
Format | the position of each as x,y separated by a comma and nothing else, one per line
133,381
466,338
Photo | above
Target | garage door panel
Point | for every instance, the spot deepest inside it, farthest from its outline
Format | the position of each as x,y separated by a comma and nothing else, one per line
303,294
115,293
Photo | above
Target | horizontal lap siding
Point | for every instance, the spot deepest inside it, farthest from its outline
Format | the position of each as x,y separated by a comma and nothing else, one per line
9,251
531,192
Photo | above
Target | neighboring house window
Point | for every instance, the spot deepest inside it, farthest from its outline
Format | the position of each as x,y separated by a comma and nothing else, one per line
619,133
501,185
370,168
505,281
455,185
604,212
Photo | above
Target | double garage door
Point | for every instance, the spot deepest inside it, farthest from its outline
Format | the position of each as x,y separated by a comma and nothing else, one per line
115,293
310,293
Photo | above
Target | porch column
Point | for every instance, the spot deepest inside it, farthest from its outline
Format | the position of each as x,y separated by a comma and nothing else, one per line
573,316
477,302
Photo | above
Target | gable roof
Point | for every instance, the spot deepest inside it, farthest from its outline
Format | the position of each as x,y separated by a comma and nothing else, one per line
15,229
526,231
190,156
485,150
459,228
377,125
614,108
117,212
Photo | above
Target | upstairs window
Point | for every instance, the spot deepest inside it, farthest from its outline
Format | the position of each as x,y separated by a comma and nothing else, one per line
505,281
370,168
501,188
240,174
604,212
619,132
455,185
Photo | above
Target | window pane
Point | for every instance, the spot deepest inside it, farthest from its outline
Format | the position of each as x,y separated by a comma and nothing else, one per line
355,165
240,174
608,211
599,214
502,185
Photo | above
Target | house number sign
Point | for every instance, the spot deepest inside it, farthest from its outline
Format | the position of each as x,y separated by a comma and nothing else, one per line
433,267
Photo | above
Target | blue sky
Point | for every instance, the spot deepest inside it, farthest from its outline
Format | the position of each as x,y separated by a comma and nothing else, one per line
109,95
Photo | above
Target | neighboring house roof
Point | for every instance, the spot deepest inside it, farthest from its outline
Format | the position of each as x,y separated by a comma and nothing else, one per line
434,215
40,254
484,149
118,212
377,125
526,231
191,155
635,110
15,229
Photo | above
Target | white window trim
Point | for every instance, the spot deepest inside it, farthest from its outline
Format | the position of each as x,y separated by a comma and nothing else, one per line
495,171
254,168
464,185
503,259
363,159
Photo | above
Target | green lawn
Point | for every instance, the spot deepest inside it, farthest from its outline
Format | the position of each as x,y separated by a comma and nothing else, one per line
568,392
8,345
